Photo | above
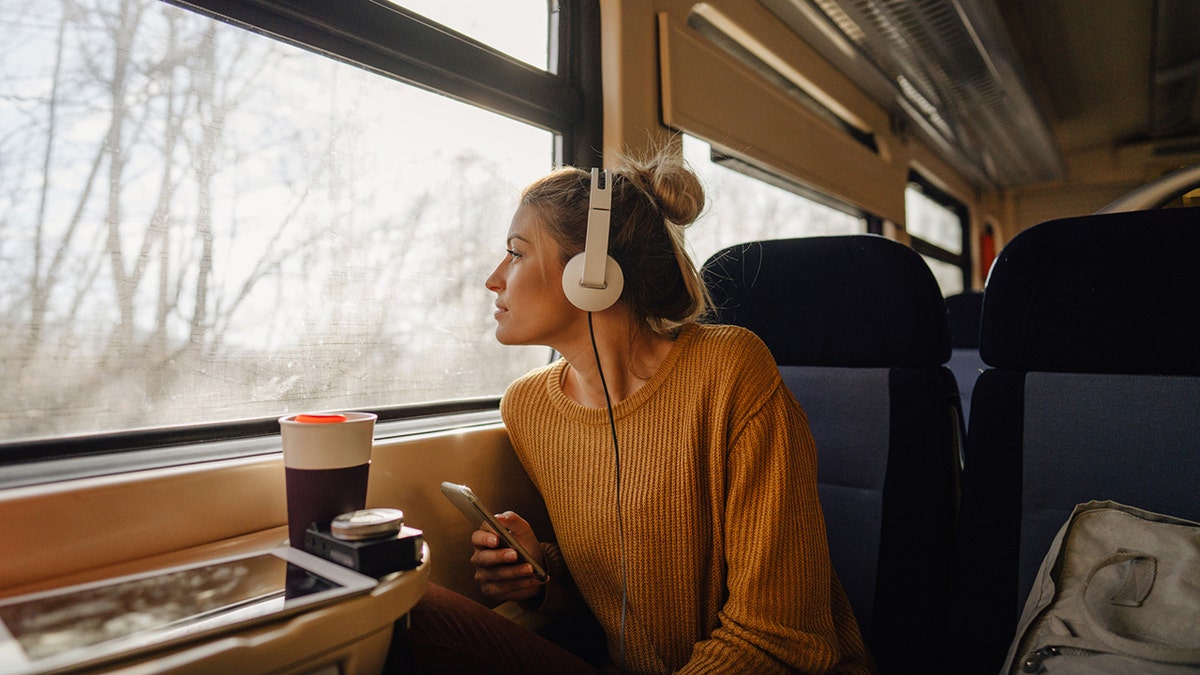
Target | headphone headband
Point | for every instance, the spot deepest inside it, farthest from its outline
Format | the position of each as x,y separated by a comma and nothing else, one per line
592,280
599,215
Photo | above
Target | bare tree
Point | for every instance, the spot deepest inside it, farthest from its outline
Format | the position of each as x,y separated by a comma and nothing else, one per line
192,244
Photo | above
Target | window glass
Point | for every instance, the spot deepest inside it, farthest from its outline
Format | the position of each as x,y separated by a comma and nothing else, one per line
936,229
199,224
740,208
949,276
932,221
519,28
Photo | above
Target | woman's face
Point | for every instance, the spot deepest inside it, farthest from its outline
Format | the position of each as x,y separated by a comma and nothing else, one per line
531,308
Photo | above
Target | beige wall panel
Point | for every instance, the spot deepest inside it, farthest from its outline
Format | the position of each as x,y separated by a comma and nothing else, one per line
1037,205
700,90
68,527
407,474
628,49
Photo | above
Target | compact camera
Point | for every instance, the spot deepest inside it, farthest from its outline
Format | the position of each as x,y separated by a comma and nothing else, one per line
372,541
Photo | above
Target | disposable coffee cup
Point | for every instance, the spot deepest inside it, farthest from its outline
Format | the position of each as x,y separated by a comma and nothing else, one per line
326,459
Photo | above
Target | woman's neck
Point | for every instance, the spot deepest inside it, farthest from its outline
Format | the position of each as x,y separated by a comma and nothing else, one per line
629,359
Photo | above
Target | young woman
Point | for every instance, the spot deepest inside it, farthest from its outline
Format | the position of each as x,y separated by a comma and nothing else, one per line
677,469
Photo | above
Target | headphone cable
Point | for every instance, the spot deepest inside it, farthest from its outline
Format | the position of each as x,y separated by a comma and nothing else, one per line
612,423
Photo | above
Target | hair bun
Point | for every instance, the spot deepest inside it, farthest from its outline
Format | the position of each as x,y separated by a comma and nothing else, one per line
674,189
678,192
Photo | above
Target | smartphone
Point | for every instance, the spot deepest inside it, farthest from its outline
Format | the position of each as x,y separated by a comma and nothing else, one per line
478,514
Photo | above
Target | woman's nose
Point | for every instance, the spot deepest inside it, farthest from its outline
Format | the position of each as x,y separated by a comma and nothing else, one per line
493,282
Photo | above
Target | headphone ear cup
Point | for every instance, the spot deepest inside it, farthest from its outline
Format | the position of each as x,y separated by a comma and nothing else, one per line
592,299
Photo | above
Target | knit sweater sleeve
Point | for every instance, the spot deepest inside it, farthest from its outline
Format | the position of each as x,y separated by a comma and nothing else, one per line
777,616
560,594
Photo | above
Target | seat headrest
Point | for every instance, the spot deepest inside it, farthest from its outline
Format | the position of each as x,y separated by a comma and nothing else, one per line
1112,293
845,301
965,310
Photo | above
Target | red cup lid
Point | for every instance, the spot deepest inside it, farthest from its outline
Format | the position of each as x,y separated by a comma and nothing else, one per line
320,419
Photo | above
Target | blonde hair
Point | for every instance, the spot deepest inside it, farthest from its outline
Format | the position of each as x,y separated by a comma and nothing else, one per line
653,201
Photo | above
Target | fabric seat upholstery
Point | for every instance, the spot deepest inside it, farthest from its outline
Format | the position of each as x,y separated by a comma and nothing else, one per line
1091,331
966,311
859,331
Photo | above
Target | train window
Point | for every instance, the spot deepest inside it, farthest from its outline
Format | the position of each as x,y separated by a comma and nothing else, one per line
493,24
200,223
748,204
937,226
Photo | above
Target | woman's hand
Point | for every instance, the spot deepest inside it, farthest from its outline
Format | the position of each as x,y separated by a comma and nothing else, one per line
498,569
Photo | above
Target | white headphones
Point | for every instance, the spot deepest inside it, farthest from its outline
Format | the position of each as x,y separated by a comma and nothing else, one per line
592,280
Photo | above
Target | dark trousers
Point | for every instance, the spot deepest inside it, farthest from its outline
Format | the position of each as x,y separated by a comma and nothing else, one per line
450,633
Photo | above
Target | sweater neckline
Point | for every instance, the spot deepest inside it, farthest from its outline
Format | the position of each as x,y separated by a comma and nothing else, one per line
588,414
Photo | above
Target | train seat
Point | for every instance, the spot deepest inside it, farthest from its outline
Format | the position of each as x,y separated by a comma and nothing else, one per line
859,330
1091,333
965,311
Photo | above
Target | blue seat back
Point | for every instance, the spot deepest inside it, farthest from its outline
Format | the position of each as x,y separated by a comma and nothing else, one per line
1091,331
859,331
966,312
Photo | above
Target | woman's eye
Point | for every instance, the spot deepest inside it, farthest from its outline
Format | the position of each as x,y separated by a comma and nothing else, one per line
512,254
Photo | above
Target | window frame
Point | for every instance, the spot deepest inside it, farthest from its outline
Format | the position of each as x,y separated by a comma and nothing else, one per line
392,42
959,209
770,177
395,42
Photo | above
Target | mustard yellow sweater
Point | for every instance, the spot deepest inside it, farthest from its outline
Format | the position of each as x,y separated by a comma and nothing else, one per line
727,562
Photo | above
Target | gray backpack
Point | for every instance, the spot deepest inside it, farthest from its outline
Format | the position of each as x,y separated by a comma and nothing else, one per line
1118,592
